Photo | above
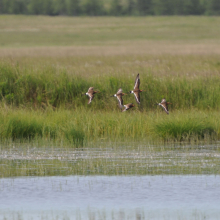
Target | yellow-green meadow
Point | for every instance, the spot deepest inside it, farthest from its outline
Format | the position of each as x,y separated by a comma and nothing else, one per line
63,158
47,63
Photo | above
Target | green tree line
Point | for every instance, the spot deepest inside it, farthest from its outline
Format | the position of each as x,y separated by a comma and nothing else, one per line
110,7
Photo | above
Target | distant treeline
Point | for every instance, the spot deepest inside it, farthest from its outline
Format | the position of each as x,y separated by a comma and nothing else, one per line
110,7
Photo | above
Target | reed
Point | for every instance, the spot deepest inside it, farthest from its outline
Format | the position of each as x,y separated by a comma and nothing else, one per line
26,125
186,127
112,158
55,87
81,126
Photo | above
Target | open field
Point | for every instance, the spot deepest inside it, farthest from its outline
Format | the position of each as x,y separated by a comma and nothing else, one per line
32,35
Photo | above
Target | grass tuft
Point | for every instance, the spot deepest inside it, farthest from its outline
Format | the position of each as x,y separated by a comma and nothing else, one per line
184,129
22,128
75,136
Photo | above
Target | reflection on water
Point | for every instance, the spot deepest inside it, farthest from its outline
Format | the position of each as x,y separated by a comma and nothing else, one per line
111,197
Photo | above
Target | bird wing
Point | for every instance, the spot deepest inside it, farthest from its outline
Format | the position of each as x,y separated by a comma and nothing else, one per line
120,100
137,97
119,91
90,90
128,106
163,101
91,96
165,107
137,82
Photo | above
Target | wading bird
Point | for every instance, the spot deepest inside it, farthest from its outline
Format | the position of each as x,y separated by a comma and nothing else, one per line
136,91
90,94
128,106
164,104
119,95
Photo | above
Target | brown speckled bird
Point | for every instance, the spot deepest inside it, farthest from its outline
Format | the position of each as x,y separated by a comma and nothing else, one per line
164,104
128,106
119,95
90,94
136,91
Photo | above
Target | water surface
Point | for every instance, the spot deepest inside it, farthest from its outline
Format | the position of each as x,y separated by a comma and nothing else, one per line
110,159
111,197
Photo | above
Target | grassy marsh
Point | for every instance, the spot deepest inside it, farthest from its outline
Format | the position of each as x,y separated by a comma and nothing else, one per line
80,125
61,81
134,158
41,84
47,63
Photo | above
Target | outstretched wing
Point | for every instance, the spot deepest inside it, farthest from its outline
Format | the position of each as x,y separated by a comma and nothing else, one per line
91,96
165,107
128,106
137,82
120,101
137,97
119,91
90,90
163,101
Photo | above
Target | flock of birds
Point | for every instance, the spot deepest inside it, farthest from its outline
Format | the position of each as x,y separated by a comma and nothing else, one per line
136,91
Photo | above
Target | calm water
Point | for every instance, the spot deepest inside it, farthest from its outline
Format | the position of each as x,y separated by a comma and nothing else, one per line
111,197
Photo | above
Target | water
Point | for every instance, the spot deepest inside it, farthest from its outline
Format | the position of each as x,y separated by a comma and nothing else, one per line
111,197
110,159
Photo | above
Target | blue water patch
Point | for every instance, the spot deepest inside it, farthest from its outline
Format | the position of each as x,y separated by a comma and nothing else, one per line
111,197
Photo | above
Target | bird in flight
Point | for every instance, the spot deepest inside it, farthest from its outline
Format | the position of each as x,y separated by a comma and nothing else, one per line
90,94
164,105
128,106
119,95
136,91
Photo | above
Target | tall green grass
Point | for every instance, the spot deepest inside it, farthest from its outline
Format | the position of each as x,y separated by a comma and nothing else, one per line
81,126
54,87
186,128
45,102
25,125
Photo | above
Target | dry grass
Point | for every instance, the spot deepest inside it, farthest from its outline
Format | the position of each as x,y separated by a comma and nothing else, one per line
109,35
125,48
109,46
158,66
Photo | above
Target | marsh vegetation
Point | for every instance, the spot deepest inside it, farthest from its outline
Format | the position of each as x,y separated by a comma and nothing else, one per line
41,87
48,129
47,63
